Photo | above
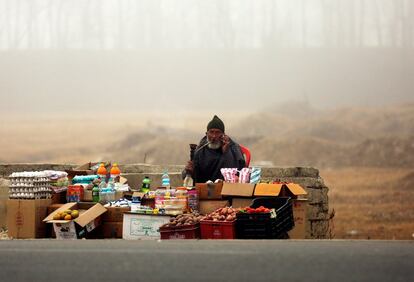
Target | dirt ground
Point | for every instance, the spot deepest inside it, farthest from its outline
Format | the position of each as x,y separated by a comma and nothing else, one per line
371,203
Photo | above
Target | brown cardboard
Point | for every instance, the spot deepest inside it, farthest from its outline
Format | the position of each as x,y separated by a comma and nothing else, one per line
209,191
138,194
238,189
89,218
241,202
279,189
59,198
112,229
208,206
115,214
87,196
24,218
299,214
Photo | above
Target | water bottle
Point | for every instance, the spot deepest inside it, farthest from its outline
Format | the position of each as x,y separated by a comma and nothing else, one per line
165,180
102,192
146,183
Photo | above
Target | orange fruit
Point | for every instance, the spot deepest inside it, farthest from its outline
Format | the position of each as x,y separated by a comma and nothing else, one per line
75,214
68,217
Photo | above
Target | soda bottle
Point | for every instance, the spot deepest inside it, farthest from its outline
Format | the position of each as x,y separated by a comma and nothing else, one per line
115,172
146,183
95,194
101,172
165,180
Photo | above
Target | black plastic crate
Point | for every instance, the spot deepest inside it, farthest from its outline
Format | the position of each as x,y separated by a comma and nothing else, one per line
284,221
254,226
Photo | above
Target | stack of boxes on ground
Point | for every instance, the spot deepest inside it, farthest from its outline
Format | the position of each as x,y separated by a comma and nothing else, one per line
94,201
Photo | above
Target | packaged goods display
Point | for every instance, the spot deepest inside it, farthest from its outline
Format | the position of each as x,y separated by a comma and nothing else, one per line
240,207
36,184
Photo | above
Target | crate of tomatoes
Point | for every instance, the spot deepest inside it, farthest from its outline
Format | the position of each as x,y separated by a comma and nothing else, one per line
266,218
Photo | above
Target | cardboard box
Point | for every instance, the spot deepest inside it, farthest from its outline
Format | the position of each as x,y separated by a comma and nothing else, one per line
240,194
87,196
86,169
208,206
89,218
209,191
241,202
300,207
115,214
112,229
59,198
24,218
238,190
141,226
292,190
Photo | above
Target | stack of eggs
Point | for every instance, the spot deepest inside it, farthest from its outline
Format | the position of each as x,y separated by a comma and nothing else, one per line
29,185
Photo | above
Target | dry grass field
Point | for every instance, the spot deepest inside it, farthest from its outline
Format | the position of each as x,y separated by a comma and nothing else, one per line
371,203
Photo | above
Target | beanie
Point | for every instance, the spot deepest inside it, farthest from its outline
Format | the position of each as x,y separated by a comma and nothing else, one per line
217,123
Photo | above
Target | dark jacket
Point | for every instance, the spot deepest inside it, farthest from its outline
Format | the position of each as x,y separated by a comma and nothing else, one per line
208,162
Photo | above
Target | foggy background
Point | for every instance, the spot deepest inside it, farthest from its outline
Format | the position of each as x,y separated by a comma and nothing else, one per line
185,55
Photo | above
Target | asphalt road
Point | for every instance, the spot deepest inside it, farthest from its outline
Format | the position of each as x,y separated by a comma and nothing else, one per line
206,260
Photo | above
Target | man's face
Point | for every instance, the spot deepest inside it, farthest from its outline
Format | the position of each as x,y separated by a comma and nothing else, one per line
214,136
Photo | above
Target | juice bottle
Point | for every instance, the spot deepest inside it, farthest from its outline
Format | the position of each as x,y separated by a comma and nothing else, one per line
115,172
102,172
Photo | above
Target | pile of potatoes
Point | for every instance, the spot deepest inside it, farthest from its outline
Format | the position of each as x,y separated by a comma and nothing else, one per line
183,219
222,214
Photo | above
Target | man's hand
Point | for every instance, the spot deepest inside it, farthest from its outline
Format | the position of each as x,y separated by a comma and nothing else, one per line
189,168
226,143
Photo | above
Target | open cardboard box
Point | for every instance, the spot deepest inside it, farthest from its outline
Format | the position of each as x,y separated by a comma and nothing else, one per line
292,190
209,191
89,218
241,194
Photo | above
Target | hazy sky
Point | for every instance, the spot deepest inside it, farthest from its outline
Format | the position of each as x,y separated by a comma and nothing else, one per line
165,55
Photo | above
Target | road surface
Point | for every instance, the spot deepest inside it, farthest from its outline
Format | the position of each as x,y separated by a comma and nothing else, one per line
206,260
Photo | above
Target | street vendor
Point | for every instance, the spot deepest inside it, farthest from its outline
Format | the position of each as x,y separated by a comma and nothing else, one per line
216,150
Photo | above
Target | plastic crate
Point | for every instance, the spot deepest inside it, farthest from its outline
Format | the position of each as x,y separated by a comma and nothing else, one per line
284,220
180,232
254,226
217,229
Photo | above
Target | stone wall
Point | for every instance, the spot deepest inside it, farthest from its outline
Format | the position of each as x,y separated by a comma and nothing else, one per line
317,214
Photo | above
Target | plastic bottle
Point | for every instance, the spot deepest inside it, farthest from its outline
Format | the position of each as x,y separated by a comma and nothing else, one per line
146,183
95,194
115,172
135,204
102,193
101,172
165,180
188,181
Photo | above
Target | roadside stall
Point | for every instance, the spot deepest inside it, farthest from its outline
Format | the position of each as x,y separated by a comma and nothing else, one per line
99,203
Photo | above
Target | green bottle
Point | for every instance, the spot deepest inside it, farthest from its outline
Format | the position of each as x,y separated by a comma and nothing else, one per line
95,194
146,183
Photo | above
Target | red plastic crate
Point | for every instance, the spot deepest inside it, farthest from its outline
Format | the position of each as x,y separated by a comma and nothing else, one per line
217,229
180,232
